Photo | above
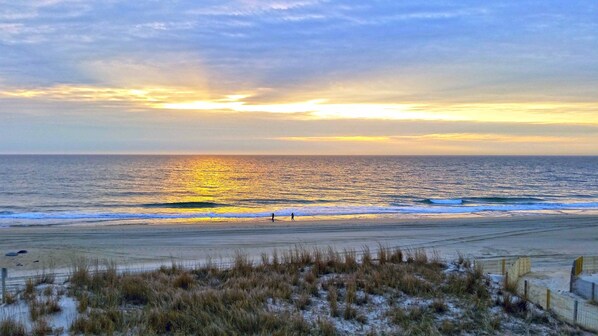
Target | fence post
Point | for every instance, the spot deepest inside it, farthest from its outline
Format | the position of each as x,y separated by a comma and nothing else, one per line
547,298
503,266
575,311
506,284
525,290
4,275
593,291
573,271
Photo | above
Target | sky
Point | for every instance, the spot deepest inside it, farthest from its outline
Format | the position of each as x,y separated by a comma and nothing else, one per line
299,77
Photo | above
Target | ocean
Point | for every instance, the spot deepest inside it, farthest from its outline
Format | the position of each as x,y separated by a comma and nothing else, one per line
121,189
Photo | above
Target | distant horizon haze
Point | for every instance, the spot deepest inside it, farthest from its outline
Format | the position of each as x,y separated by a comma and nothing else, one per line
295,155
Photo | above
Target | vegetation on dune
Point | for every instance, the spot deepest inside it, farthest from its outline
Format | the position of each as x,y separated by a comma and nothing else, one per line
12,327
275,296
296,292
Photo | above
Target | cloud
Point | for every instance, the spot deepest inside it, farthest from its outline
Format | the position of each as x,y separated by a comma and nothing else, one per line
354,138
174,69
347,70
454,143
184,98
442,138
251,7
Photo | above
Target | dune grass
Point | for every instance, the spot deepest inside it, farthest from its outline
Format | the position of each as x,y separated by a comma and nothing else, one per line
12,327
293,292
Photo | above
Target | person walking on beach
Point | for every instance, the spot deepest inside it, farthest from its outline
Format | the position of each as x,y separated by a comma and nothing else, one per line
292,216
273,216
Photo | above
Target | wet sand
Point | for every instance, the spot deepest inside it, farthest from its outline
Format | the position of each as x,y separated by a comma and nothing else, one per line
551,240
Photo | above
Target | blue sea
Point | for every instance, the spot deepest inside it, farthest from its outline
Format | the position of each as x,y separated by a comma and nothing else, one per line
120,189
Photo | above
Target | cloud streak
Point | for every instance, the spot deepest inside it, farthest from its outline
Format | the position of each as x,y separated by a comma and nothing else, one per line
442,138
181,98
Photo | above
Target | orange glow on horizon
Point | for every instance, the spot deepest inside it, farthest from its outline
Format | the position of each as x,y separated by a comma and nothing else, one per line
444,137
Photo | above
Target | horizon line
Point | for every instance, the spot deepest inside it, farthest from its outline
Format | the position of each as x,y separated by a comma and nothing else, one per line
274,154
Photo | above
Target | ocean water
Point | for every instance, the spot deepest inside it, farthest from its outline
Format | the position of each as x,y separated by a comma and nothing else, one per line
50,190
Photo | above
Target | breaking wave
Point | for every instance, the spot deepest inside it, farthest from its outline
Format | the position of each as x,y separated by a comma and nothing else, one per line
183,205
437,208
471,200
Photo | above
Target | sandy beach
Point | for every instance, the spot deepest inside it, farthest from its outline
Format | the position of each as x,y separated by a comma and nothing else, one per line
553,241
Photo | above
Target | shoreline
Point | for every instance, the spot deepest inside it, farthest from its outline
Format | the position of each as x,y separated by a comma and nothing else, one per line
305,220
552,239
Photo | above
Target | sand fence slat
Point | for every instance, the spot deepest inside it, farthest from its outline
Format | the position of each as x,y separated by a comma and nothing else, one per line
519,268
584,288
568,308
587,316
590,264
496,266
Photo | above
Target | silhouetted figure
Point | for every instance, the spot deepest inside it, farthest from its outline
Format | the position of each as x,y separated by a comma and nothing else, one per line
273,217
292,216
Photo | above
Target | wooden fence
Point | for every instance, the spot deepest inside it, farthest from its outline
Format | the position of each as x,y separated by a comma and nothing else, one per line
496,266
519,268
567,307
579,286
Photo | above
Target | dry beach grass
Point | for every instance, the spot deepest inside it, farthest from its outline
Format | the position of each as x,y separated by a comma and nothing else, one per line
294,292
286,294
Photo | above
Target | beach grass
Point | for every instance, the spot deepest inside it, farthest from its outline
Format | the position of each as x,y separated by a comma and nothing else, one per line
297,291
12,327
300,291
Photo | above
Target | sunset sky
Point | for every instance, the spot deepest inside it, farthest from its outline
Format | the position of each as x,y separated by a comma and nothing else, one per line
299,77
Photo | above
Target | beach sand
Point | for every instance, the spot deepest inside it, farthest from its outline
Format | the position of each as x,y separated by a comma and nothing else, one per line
553,241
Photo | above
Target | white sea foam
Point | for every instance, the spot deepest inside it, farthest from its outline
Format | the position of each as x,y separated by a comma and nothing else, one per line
448,208
446,201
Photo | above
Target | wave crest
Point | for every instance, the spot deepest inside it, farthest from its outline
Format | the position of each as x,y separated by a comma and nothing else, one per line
182,205
504,199
443,201
478,200
309,211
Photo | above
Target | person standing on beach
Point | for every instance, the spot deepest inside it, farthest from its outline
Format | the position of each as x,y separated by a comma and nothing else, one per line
273,216
292,216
